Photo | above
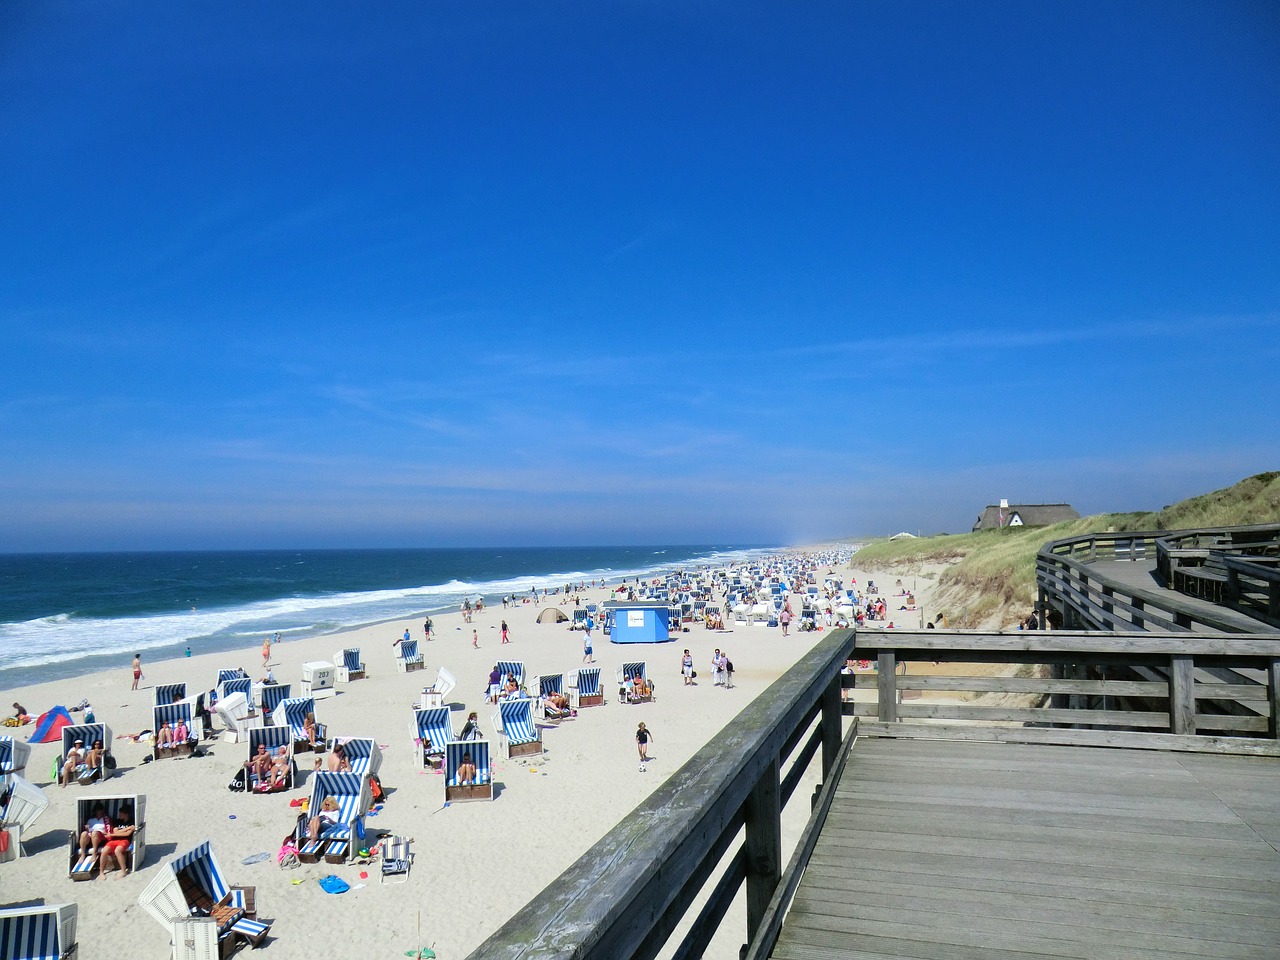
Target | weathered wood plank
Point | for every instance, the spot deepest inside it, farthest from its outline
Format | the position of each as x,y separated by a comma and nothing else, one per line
1087,738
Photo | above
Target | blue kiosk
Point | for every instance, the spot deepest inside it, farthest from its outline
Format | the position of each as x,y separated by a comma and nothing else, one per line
637,621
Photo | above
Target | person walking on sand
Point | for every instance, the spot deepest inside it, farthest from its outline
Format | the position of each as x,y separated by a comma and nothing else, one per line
643,736
266,651
426,629
475,639
686,667
505,638
137,670
586,650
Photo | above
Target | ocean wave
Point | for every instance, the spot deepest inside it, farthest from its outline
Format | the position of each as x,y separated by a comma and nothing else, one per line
67,637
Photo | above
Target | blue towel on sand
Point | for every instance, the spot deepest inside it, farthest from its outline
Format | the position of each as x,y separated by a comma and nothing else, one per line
332,884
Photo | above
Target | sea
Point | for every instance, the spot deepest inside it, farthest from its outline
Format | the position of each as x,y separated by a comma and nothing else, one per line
65,615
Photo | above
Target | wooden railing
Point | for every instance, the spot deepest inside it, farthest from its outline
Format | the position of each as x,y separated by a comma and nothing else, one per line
1087,598
1145,690
628,893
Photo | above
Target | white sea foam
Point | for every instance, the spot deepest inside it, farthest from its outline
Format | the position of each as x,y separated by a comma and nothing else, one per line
63,638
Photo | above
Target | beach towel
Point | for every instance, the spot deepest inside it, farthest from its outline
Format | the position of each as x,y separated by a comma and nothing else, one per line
332,884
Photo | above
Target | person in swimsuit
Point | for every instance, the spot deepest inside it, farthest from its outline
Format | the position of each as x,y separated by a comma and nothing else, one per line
137,670
120,838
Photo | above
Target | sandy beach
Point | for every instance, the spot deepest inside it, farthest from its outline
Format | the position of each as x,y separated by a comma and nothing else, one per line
476,863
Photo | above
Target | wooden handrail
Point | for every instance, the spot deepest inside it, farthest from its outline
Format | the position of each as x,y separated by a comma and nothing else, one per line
625,895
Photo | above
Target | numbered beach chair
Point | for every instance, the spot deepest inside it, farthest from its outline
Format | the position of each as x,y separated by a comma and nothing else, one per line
191,898
292,713
174,734
86,868
170,692
458,789
587,685
46,932
364,755
514,720
433,728
348,664
270,695
25,803
279,744
13,755
88,732
337,840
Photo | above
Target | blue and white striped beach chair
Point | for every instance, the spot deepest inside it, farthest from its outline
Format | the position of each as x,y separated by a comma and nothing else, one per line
176,718
237,685
548,684
38,933
292,713
514,719
348,665
85,868
13,755
88,732
433,728
169,692
364,755
457,753
193,885
279,742
408,658
337,840
271,694
511,667
630,670
588,687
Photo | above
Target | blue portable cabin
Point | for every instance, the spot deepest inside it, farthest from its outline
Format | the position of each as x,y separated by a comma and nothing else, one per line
639,621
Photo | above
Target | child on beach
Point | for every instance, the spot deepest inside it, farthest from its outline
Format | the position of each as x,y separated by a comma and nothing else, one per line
643,736
475,640
266,651
505,638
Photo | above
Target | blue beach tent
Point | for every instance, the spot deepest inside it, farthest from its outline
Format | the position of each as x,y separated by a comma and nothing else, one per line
639,621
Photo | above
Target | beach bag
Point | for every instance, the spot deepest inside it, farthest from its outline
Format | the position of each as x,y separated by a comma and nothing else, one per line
375,785
110,761
237,784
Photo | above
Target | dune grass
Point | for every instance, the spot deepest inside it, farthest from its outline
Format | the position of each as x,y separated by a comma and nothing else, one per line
989,580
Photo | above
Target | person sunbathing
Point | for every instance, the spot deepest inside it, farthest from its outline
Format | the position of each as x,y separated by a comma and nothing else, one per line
277,777
338,762
172,735
259,766
309,728
555,703
511,689
95,831
640,689
73,763
467,771
326,818
120,838
93,759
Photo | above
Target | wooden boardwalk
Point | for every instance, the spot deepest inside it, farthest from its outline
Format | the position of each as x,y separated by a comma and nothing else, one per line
952,850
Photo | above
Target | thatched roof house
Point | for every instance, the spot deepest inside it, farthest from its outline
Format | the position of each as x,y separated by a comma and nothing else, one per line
1024,515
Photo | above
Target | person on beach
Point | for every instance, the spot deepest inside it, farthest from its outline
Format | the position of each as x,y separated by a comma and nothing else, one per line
338,762
785,619
426,629
309,728
471,729
94,833
643,736
324,819
75,759
118,840
266,651
137,670
475,640
716,669
505,638
93,759
260,766
405,638
495,685
466,771
686,667
20,713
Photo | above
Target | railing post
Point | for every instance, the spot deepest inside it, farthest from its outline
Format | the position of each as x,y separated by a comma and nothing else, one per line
831,725
1273,695
763,845
887,686
1182,695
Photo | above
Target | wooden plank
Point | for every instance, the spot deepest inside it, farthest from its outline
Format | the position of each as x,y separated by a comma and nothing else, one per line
1182,700
1088,738
1081,643
968,711
1112,688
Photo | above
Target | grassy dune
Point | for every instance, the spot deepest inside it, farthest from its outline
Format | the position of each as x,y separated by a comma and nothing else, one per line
989,580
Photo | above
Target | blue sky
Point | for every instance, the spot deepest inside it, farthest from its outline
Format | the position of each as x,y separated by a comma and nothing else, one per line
333,274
